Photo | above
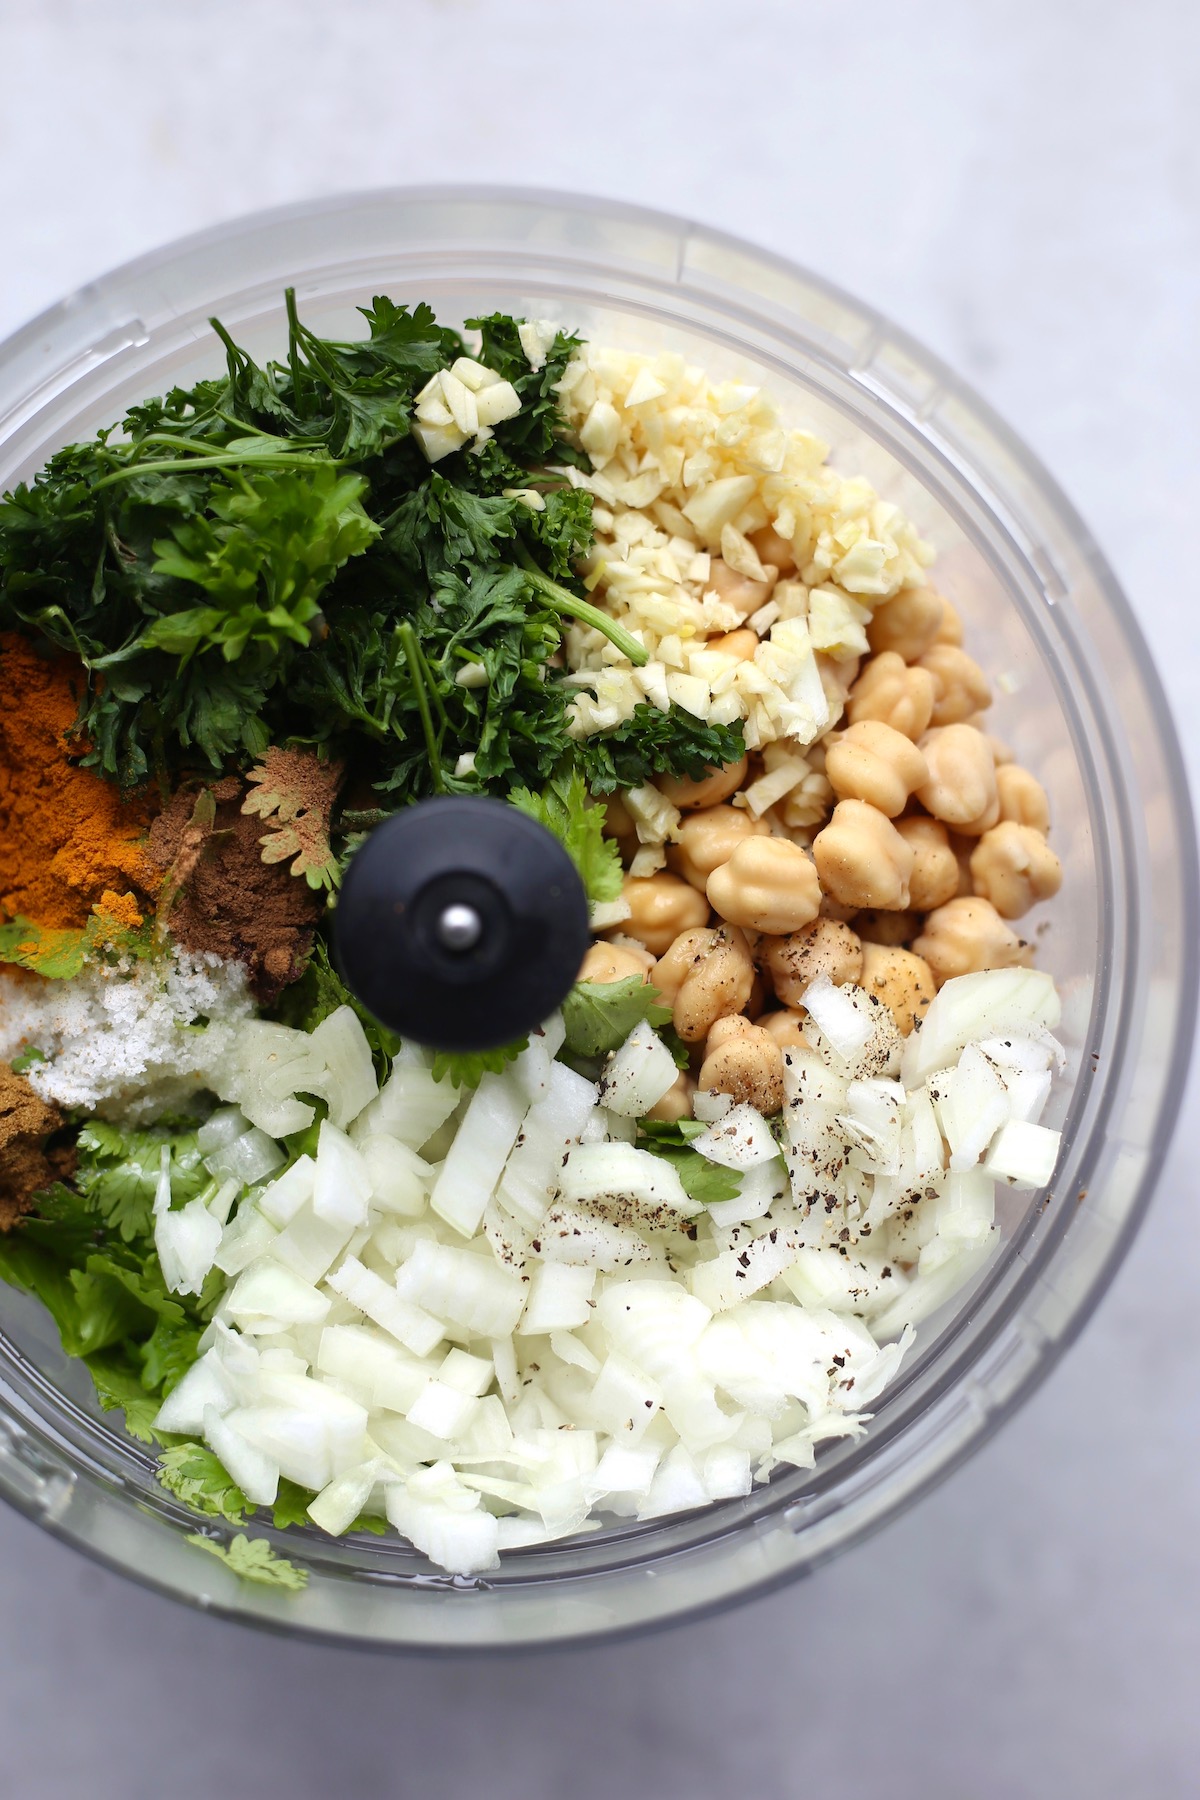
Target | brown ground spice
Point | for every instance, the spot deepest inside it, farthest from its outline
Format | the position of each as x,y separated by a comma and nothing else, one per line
219,894
27,1162
66,836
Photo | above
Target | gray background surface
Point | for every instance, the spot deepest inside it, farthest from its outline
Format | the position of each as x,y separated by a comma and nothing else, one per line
1019,184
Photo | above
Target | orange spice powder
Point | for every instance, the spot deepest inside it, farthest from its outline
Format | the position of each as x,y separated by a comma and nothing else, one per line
67,839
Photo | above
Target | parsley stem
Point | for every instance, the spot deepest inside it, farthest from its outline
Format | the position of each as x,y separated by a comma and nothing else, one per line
564,601
173,465
412,655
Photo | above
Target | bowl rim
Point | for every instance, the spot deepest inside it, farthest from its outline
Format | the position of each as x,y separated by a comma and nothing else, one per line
1188,981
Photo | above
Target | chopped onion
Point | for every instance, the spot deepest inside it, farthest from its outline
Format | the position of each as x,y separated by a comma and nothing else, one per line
833,1010
1024,1155
742,1139
342,1185
479,1152
637,1075
991,1004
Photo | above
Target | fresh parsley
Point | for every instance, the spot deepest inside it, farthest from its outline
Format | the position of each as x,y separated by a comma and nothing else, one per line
703,1181
599,1015
564,807
253,1559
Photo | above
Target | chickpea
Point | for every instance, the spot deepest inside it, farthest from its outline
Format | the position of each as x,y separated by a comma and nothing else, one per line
715,786
887,927
1022,798
908,623
968,934
660,907
960,685
888,690
901,979
1014,867
934,878
771,548
613,962
741,644
709,838
768,884
950,627
705,975
961,790
619,824
826,947
872,762
676,1103
862,859
747,1064
738,591
787,1028
838,675
962,848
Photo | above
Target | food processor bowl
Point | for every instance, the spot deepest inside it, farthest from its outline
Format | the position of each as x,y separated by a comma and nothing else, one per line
1078,701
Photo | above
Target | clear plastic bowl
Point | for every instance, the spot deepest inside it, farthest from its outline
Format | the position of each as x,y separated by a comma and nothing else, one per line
1079,701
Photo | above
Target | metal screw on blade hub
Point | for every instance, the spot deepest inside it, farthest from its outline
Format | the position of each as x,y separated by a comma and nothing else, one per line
460,928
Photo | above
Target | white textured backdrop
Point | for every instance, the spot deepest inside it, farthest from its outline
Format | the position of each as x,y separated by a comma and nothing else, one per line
1019,184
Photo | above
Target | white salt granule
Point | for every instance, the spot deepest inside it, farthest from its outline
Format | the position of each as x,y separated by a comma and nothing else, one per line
120,1041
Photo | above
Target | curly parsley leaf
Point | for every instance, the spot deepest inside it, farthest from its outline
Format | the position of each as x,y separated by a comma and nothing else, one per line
659,743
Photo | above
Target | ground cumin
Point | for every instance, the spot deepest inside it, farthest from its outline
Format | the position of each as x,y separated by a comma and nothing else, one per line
28,1161
218,894
67,840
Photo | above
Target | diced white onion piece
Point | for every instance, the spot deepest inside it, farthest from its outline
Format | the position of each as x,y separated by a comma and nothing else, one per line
822,1277
971,1104
411,1105
247,1237
709,1106
205,1386
441,1410
554,1123
256,1473
342,1187
964,1213
990,1004
725,1472
341,1043
469,1374
221,1204
677,1486
594,1173
573,1235
296,1441
283,1198
735,1275
463,1288
637,1075
816,1153
310,1246
398,1315
758,1190
624,1399
267,1290
625,1471
466,1543
187,1243
834,1011
1024,1155
931,1288
250,1157
741,1140
220,1128
479,1152
399,1178
337,1506
559,1298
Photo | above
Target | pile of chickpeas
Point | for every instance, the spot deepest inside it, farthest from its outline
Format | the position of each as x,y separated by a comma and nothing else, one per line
935,841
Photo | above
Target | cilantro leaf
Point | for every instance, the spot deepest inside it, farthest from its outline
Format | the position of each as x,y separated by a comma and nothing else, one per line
564,807
599,1015
467,1068
119,1389
194,1475
254,1560
119,1169
703,1181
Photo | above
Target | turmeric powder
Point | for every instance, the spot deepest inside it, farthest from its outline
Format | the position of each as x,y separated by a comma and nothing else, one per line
68,842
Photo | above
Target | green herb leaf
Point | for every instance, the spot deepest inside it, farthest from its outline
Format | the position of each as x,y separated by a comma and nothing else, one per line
599,1016
194,1475
254,1560
703,1181
565,808
659,743
467,1068
119,1169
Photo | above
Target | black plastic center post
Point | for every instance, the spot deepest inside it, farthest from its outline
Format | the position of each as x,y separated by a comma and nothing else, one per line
461,923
